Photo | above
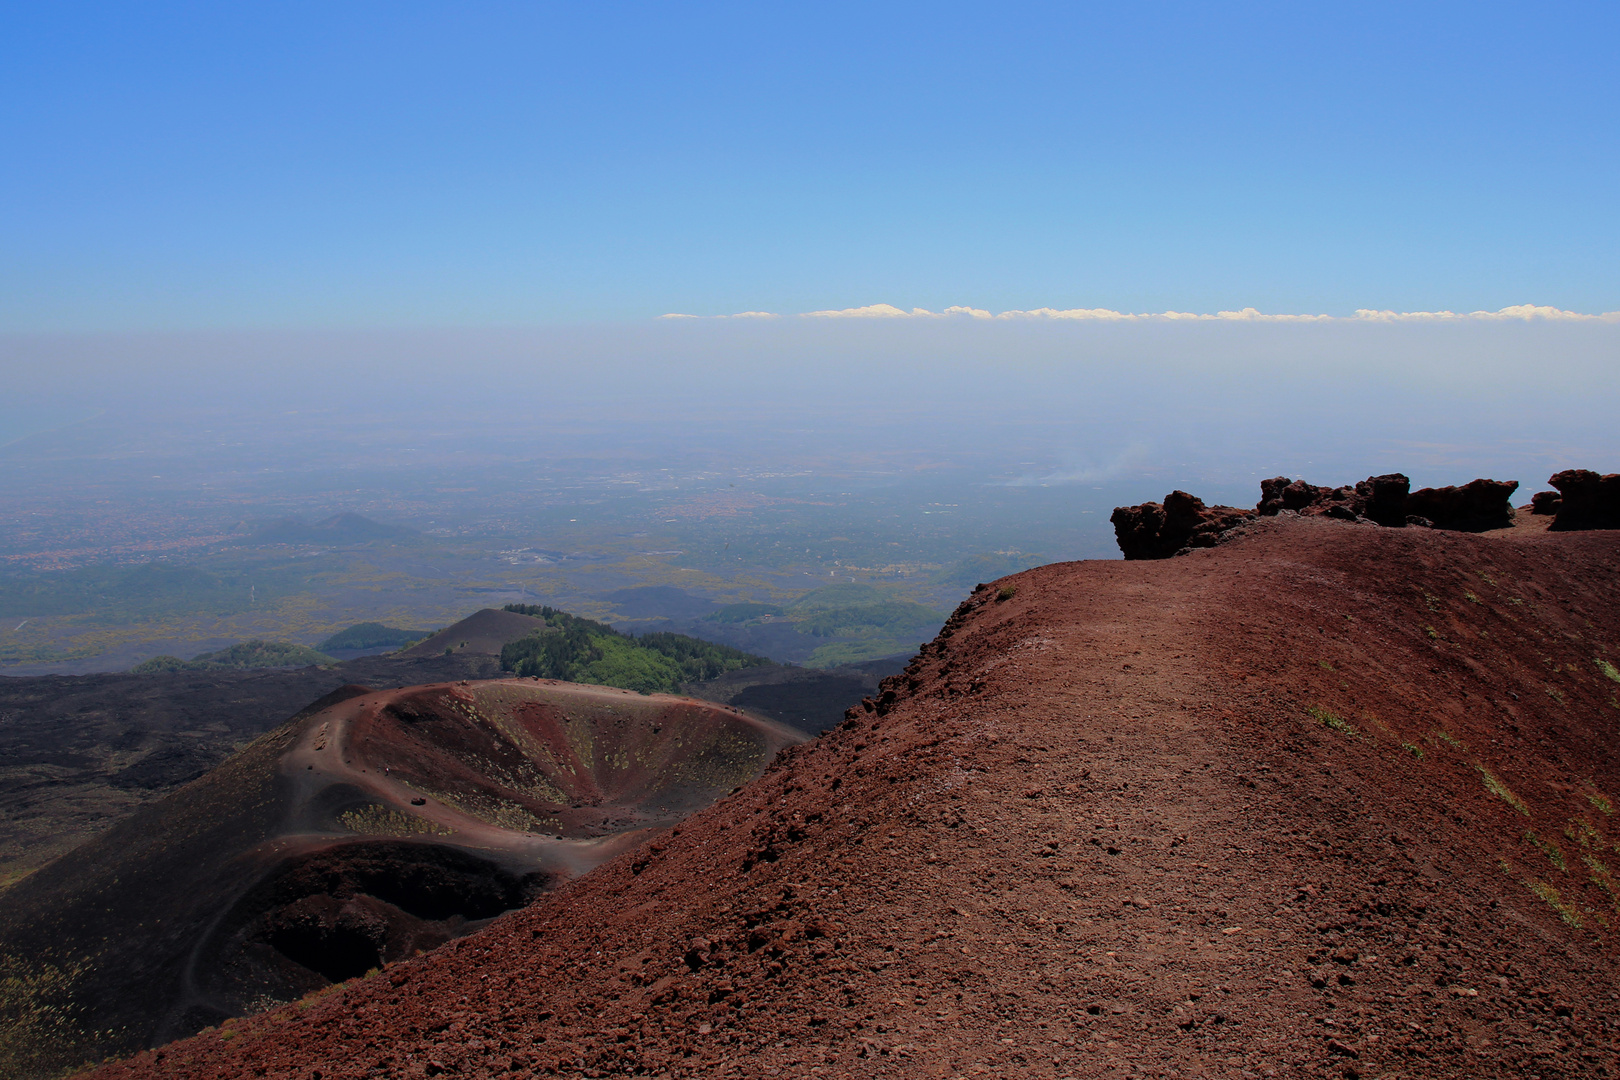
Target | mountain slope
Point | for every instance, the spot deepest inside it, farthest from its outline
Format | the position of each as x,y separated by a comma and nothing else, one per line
483,632
1325,800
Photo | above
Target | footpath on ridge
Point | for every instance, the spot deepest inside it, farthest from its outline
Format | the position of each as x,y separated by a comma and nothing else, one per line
1324,800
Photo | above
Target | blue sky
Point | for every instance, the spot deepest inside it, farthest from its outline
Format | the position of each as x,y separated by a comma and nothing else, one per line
371,165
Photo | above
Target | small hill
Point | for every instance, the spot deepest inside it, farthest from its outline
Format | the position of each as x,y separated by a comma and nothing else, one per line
585,651
339,529
483,632
1325,800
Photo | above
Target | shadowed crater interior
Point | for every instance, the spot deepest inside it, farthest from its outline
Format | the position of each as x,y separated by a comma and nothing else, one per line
344,911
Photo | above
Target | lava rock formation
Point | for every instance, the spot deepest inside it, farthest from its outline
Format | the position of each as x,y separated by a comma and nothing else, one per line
1183,523
1586,500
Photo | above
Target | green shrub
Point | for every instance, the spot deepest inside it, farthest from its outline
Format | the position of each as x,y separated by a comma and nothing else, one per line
575,649
1494,785
1332,720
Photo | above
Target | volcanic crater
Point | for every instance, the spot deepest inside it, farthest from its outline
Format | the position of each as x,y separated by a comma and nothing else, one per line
371,828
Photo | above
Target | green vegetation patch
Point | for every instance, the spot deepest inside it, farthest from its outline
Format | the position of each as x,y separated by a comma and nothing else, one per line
581,650
1602,878
246,654
1494,785
1549,849
371,635
1608,669
1550,895
1583,833
381,821
38,1019
1332,720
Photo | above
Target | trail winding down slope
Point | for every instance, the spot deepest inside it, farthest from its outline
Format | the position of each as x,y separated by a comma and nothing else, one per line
1325,800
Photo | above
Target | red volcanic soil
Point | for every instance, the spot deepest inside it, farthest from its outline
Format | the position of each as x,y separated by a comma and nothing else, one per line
1327,800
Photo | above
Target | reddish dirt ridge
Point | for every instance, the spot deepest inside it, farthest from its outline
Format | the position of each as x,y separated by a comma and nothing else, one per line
1326,800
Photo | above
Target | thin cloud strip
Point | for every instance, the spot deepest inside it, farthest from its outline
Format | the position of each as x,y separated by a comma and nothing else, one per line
1522,312
739,315
1518,312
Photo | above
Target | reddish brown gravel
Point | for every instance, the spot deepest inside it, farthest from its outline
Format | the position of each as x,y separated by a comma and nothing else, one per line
1327,800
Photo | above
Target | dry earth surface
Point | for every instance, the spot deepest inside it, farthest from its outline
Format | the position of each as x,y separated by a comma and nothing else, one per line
1326,800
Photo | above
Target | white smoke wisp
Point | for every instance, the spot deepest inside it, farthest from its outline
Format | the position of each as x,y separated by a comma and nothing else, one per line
1126,462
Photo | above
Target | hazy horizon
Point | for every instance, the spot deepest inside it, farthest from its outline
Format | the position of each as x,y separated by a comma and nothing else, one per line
738,300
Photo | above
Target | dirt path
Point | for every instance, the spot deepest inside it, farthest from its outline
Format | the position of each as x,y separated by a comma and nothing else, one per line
1226,815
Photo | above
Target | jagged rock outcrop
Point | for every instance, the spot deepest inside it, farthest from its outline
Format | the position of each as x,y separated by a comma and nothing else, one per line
1389,501
1183,522
1476,506
1545,503
1587,500
1377,498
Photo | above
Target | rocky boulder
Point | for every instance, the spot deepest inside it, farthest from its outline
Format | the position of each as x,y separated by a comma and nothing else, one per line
1381,499
1476,506
1182,523
1389,501
1545,503
1587,500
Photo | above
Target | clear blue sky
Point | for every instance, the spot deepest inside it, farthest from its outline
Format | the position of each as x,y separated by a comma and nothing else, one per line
402,163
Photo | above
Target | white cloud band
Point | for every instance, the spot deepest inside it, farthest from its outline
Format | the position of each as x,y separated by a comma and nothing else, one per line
1518,312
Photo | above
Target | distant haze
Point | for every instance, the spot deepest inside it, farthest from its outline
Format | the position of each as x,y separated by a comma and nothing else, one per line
1189,404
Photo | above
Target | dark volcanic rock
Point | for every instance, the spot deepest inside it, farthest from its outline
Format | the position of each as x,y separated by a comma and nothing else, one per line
1545,503
1384,498
1476,506
166,767
1183,522
1378,498
1388,500
1589,501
